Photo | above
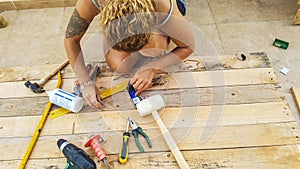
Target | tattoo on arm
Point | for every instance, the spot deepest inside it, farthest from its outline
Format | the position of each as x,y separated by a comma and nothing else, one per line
76,25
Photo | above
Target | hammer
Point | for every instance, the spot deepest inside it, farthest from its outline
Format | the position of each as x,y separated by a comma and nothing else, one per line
151,105
38,87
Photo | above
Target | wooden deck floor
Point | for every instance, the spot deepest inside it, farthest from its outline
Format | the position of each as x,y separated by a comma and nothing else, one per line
227,114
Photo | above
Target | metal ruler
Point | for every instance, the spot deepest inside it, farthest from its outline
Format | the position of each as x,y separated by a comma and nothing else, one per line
104,94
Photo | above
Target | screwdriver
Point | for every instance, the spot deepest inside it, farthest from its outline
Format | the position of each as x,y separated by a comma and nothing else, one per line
123,156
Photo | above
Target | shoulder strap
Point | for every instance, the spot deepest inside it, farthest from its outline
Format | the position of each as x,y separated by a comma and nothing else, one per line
96,4
168,16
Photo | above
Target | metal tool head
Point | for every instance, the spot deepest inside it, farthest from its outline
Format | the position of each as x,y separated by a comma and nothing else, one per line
127,124
132,124
35,87
150,104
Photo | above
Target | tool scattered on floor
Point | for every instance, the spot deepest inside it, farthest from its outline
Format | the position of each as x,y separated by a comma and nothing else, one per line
135,131
280,43
123,155
94,143
65,100
58,112
104,94
76,157
151,105
3,23
38,87
38,128
132,93
113,90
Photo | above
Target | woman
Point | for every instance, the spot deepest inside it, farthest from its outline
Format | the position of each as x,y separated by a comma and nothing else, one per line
131,28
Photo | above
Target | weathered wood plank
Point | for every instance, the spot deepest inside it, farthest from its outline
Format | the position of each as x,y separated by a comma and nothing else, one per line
269,134
254,60
172,81
279,157
296,95
71,123
32,73
173,98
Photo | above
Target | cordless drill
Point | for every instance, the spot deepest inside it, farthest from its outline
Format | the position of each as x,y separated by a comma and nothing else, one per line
76,157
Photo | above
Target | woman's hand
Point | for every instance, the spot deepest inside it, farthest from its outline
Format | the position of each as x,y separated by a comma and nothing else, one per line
92,95
142,79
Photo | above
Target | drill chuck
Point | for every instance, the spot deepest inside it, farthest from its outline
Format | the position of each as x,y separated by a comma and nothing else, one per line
77,158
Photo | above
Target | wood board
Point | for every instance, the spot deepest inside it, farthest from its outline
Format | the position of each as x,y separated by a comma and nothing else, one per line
252,125
296,95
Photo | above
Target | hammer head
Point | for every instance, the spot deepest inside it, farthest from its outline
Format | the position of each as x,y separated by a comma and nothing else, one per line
36,88
150,104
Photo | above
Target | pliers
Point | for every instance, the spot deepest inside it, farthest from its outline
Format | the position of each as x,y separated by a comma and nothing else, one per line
135,130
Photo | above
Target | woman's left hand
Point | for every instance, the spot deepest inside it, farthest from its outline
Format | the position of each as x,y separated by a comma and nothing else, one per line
142,79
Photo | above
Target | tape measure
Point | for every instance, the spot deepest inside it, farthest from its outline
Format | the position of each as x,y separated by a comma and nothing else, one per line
58,112
104,94
113,90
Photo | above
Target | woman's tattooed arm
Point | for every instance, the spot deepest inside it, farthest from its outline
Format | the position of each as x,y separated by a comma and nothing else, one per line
77,25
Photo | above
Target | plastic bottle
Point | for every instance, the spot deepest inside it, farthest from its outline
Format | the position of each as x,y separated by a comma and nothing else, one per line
66,100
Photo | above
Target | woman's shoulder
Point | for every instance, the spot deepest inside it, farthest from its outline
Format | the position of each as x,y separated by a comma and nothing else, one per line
163,5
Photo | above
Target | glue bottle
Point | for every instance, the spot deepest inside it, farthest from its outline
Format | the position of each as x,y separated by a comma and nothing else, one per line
66,100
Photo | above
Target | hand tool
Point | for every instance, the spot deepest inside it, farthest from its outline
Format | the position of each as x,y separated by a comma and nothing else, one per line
94,143
151,105
132,93
38,128
123,155
135,131
113,90
76,157
58,112
38,87
104,94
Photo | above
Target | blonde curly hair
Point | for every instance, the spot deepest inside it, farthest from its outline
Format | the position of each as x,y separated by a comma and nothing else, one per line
127,24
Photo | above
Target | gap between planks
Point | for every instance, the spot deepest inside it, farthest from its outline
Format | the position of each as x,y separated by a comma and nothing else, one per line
173,98
279,157
224,115
222,62
173,81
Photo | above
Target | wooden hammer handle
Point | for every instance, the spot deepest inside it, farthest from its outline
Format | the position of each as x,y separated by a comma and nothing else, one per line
171,143
53,72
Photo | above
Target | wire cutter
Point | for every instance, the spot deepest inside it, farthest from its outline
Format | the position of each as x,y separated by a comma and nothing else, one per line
135,130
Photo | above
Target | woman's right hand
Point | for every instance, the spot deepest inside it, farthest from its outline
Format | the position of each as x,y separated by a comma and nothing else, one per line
92,95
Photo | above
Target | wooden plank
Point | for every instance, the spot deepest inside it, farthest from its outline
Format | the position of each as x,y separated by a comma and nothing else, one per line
269,134
244,114
297,17
172,81
296,95
279,157
32,73
173,98
254,60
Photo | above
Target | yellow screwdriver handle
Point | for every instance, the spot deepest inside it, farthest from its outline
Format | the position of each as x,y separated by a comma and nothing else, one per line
123,156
